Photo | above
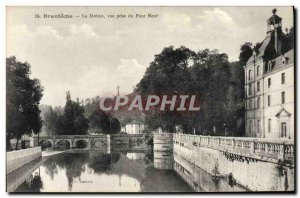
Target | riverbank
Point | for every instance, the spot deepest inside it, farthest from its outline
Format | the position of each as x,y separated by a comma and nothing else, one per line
50,153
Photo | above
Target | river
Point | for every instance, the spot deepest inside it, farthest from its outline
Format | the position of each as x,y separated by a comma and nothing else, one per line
93,171
97,171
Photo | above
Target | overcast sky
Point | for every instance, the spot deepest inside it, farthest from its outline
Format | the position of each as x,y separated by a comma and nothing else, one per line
92,57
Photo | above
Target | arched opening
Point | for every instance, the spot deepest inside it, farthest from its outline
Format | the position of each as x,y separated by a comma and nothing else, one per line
63,145
45,145
81,144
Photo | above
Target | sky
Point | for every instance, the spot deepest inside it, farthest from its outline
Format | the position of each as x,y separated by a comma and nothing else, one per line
92,56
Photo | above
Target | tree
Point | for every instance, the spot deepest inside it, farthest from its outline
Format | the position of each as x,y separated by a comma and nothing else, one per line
100,122
115,126
74,122
235,96
210,78
50,120
246,52
168,74
23,95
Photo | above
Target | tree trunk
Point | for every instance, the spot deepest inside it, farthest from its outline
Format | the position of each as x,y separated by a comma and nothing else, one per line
8,144
17,144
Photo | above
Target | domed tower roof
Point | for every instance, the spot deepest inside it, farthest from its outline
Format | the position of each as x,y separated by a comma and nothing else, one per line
270,47
274,19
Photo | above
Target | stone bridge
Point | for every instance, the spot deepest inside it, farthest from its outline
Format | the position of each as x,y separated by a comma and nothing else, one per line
73,141
99,142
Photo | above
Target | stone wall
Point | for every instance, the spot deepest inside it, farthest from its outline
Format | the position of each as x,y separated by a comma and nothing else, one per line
16,178
247,170
205,162
121,142
163,151
17,159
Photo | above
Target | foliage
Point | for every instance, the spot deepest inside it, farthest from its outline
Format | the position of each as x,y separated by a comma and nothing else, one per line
70,121
23,95
74,122
246,52
167,74
100,122
206,73
53,120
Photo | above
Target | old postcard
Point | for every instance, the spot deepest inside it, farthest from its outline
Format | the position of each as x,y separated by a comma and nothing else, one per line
150,99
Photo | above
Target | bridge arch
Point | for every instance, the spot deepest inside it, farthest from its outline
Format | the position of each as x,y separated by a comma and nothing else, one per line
63,144
46,144
81,144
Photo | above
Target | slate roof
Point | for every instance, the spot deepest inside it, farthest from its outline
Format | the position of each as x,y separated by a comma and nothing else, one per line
277,62
261,50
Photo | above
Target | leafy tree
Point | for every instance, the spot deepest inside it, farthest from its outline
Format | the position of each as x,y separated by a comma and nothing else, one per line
167,74
246,52
235,97
115,126
288,39
74,122
91,104
23,95
51,119
210,77
100,122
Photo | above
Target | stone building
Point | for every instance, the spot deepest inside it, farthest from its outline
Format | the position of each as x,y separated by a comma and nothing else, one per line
134,127
269,86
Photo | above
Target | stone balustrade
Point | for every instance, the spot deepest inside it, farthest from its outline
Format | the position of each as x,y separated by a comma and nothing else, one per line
275,148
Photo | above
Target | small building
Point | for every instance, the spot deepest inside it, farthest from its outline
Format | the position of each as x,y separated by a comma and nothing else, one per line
269,86
134,127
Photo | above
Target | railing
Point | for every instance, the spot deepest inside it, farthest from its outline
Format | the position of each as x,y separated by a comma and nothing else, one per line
69,137
85,136
278,148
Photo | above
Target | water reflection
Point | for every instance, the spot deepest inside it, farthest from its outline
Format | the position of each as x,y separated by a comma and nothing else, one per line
92,171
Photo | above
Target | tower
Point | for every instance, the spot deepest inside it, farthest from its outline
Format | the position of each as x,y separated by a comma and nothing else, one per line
269,96
274,27
118,90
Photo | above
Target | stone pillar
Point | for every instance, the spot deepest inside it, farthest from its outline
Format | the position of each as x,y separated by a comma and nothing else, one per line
108,143
163,151
34,141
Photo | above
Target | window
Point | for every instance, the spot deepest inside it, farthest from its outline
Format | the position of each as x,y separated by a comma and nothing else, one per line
250,89
269,100
284,60
269,66
250,104
282,97
258,86
257,71
282,78
269,82
258,126
269,125
258,102
283,129
249,74
250,126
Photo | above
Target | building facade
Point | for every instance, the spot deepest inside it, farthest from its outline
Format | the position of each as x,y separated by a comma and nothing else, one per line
134,128
269,86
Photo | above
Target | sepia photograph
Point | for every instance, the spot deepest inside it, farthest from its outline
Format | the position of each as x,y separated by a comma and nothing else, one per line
150,99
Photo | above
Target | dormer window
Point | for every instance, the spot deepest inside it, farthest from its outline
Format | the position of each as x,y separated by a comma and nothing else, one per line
269,66
283,60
